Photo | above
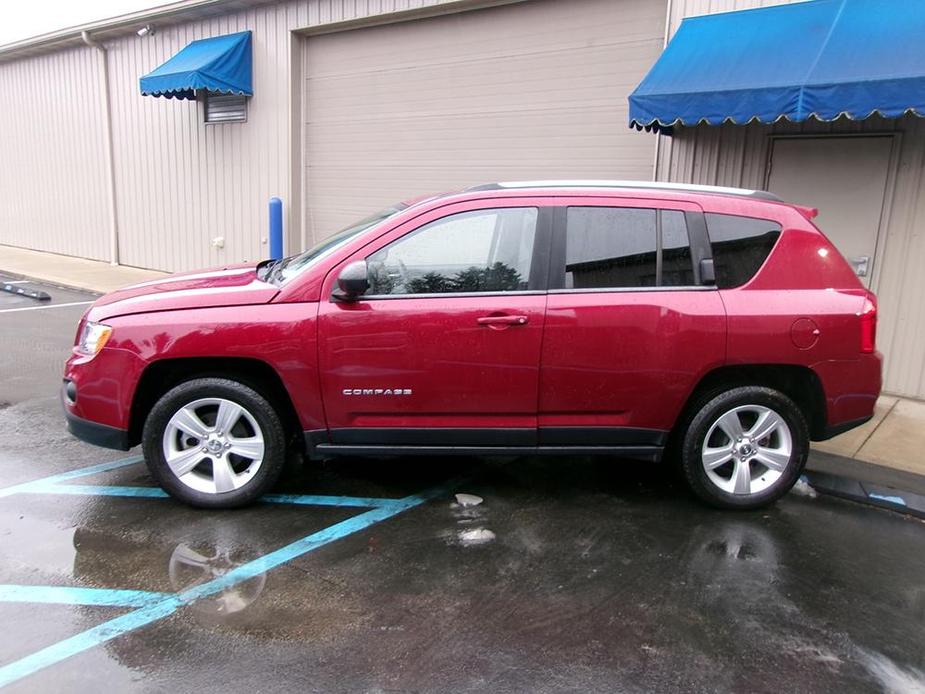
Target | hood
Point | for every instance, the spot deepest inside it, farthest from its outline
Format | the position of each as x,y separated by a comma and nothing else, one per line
236,285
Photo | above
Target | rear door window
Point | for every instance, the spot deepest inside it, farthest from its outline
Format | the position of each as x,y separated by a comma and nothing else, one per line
625,247
740,246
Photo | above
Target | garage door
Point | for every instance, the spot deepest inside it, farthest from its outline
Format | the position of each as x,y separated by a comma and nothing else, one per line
523,91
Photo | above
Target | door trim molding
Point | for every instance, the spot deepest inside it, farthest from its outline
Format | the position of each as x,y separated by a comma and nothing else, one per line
628,442
647,453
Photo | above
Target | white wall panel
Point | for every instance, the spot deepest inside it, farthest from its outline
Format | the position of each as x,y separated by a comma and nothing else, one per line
180,183
53,189
527,91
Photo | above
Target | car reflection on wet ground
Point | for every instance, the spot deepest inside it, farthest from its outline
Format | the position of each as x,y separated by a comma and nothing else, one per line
543,575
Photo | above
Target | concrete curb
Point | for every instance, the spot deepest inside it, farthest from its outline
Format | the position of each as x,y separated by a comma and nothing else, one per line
865,492
71,272
49,283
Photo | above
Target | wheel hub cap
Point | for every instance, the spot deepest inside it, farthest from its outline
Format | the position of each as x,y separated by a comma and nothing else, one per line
215,444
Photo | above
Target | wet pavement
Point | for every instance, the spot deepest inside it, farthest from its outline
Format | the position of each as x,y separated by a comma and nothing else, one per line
556,575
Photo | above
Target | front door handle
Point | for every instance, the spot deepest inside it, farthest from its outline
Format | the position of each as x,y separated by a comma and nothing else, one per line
499,321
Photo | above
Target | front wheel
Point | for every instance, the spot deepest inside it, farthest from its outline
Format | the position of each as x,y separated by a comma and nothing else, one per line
214,443
745,448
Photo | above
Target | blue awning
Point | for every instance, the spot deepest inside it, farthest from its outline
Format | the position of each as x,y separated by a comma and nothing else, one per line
822,59
221,64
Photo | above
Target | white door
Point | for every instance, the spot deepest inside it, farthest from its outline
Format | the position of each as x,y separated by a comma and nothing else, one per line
528,90
845,178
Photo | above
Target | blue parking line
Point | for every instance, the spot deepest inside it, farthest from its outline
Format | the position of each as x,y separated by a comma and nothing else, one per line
65,476
165,607
890,498
158,493
98,490
66,595
324,500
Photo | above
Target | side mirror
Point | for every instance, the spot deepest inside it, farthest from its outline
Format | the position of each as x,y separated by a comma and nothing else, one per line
707,272
352,282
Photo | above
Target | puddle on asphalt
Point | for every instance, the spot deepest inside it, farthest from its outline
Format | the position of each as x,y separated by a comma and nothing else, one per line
192,565
475,536
470,514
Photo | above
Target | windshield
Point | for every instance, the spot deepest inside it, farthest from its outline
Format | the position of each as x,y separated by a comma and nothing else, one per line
280,272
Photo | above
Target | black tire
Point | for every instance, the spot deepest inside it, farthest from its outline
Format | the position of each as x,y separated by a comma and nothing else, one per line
274,442
710,410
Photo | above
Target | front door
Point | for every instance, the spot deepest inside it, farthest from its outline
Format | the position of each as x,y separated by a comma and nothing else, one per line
444,347
846,179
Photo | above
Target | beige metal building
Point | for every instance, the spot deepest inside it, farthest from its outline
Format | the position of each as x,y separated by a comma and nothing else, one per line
359,103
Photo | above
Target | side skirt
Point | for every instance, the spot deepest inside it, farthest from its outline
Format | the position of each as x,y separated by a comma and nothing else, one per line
640,444
650,453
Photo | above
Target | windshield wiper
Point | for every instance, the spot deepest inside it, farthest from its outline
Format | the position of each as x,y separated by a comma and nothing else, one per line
265,269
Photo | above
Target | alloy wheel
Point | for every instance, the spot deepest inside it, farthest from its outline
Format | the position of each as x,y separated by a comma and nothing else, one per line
213,445
747,450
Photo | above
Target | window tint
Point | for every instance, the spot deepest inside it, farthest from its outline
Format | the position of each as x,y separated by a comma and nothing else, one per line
740,245
481,251
615,247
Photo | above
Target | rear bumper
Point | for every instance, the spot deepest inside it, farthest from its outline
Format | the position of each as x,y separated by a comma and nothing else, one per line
851,390
834,430
95,433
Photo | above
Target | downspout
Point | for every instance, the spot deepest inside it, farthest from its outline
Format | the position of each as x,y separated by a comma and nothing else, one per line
110,160
658,133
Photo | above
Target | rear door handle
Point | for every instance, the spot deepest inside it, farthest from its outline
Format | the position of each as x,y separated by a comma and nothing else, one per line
502,320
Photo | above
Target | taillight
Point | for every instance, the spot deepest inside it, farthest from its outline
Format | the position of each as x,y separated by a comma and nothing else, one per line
868,327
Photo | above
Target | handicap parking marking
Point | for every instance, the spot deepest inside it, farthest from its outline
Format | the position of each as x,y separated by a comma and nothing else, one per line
153,607
69,595
70,475
158,493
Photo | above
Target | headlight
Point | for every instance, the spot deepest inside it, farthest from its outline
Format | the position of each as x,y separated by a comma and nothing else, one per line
92,338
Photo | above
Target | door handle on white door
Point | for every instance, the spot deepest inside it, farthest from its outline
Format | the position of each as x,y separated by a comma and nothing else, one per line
861,265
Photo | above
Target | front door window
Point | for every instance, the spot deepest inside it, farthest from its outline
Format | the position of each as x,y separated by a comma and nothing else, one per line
481,251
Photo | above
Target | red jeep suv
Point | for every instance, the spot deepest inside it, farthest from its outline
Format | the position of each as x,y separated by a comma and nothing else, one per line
577,317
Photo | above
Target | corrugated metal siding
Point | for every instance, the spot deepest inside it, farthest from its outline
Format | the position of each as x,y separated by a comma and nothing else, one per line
528,91
182,183
738,156
179,183
53,191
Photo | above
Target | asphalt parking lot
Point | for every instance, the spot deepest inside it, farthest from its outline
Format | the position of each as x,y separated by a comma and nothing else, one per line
570,574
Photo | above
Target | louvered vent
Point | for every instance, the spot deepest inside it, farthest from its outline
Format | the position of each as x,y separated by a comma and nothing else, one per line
225,108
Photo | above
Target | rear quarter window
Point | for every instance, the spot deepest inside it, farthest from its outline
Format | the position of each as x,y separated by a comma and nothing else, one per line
740,246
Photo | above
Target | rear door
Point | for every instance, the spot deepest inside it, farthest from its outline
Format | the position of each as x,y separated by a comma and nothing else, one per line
629,327
444,348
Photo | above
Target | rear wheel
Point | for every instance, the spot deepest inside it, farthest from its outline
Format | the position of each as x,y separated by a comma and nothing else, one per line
745,448
214,443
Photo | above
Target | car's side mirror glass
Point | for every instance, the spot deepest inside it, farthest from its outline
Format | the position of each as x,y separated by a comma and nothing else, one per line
707,272
352,282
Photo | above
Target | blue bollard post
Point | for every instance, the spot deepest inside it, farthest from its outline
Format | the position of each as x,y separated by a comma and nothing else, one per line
276,228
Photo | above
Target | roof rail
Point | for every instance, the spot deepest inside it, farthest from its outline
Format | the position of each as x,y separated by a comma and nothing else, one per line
643,185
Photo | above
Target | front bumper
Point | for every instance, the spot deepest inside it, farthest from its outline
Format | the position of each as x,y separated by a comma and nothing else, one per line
95,433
